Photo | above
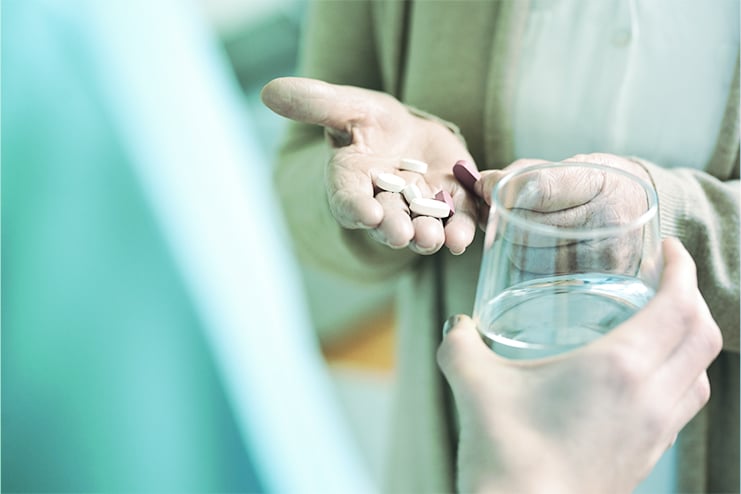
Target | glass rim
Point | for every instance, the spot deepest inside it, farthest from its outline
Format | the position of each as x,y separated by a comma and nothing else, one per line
581,233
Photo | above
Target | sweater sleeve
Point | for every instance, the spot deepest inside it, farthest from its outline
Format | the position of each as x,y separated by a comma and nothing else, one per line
337,47
703,212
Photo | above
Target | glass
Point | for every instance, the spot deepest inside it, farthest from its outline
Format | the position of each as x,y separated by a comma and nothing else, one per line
571,251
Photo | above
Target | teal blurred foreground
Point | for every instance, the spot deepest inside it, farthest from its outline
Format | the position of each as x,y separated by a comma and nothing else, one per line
154,338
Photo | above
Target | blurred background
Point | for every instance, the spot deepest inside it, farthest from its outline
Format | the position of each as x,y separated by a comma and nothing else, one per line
157,335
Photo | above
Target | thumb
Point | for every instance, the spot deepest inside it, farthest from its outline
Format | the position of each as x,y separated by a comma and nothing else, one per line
461,348
485,185
315,102
663,314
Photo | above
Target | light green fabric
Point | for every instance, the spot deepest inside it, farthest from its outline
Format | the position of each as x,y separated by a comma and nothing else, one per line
456,60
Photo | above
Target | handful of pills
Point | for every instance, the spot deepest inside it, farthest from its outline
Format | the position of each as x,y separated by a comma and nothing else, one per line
439,207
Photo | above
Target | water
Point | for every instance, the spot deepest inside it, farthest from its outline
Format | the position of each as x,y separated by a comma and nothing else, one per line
548,316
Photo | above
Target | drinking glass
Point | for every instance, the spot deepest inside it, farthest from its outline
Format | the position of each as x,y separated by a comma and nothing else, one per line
564,263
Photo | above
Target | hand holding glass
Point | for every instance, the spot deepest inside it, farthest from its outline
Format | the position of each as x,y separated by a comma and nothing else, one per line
571,251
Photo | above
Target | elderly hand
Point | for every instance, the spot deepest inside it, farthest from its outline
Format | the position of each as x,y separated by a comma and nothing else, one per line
369,132
596,419
575,198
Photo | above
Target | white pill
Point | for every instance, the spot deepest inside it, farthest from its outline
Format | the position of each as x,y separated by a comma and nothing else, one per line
413,165
411,192
430,207
390,182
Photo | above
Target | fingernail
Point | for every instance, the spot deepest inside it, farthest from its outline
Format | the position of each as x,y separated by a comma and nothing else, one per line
452,321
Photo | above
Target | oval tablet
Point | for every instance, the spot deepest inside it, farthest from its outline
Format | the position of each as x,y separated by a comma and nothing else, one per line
466,173
413,165
430,207
411,192
390,182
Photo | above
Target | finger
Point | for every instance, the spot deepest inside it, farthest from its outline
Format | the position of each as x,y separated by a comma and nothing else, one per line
550,229
655,331
567,227
483,189
460,229
613,161
462,349
429,235
489,178
587,216
355,211
552,189
558,256
350,195
692,401
317,102
697,351
680,412
485,185
396,229
349,179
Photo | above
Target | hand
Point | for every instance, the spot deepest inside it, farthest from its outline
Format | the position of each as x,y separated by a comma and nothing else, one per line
369,132
595,419
583,198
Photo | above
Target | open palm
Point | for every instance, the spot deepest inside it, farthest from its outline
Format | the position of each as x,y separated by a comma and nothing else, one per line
369,133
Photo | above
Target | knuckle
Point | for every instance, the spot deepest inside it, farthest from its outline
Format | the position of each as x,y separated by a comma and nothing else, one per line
687,304
702,389
623,367
688,312
449,356
654,421
713,338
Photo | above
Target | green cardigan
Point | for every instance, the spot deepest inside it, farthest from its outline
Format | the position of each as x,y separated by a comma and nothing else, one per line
456,61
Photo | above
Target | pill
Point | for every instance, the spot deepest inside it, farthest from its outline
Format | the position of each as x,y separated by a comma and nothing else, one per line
411,192
430,207
413,165
444,196
466,173
390,182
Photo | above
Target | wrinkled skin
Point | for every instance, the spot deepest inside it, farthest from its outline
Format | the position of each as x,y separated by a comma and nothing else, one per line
584,198
368,132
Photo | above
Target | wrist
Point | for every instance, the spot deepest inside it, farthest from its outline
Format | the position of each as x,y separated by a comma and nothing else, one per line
523,468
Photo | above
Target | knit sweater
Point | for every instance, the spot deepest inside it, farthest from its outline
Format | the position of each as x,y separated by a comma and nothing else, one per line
456,62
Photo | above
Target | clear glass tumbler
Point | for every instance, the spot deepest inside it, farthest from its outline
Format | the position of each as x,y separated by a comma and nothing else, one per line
571,251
